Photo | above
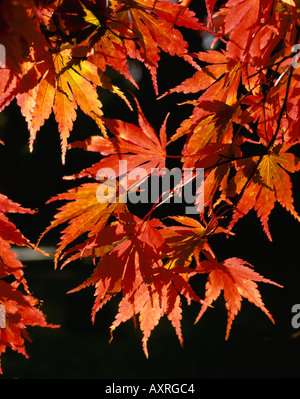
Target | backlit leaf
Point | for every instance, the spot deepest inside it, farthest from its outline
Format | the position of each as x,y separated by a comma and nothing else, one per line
237,280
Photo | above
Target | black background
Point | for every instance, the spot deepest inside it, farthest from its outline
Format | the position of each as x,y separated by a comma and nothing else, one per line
256,348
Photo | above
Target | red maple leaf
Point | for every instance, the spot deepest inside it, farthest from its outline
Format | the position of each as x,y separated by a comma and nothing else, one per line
131,148
21,308
134,251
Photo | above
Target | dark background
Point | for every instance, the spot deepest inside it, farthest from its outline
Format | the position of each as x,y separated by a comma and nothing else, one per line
256,348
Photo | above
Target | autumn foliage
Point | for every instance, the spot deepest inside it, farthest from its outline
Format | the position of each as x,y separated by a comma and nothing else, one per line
242,130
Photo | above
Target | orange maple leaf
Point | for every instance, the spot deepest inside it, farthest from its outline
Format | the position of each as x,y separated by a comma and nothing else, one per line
237,281
69,85
83,212
152,24
137,146
21,308
152,302
217,106
263,181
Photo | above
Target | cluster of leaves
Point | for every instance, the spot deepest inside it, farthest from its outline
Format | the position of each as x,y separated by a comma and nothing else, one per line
19,308
242,129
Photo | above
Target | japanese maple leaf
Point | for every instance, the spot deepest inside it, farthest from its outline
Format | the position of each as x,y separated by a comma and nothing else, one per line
134,250
73,89
152,24
8,230
9,234
21,308
84,212
263,181
206,76
8,206
70,85
237,280
152,302
217,106
60,85
131,148
186,240
21,311
215,126
112,51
